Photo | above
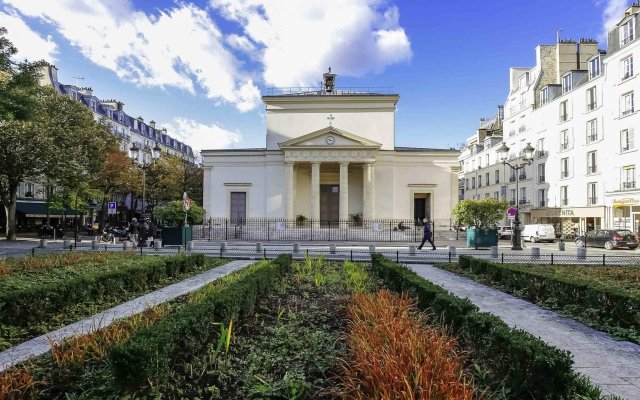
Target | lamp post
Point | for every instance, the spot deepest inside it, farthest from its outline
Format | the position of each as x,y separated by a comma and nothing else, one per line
525,158
135,154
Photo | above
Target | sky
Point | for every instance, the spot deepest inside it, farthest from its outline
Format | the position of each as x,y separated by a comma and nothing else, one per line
199,67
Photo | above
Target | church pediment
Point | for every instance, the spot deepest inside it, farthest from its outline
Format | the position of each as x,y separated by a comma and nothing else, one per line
330,137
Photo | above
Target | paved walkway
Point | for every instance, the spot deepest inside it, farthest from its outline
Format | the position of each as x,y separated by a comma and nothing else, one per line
41,344
613,365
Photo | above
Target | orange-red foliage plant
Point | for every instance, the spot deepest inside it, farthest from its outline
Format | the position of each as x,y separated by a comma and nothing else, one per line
395,354
16,384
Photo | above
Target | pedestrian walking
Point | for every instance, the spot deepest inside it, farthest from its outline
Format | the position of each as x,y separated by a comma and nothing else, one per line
152,232
427,235
134,230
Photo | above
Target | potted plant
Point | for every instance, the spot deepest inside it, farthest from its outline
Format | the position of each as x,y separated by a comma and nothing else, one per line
301,220
171,218
481,217
355,219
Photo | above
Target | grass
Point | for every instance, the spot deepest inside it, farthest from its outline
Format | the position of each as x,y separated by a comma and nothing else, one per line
43,263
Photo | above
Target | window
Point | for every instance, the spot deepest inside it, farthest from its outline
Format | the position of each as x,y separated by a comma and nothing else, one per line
486,178
564,111
480,181
541,173
627,103
627,32
594,68
564,200
592,193
627,68
466,183
523,196
626,139
541,198
487,162
592,165
544,95
496,195
497,176
513,196
540,148
592,101
567,83
629,177
564,167
564,140
524,79
592,130
473,183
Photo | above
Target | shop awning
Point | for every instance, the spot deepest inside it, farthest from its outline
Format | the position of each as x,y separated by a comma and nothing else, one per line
38,209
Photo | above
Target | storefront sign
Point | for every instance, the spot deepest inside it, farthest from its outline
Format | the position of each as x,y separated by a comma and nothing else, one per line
574,212
627,201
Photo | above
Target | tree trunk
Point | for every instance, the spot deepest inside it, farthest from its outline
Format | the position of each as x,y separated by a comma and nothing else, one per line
49,193
10,207
103,213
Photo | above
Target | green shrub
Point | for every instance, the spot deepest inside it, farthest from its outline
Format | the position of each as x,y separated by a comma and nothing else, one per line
25,302
149,354
520,364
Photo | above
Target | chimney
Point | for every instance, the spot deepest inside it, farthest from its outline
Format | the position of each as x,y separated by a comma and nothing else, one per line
633,9
152,124
164,130
140,119
329,82
501,112
87,91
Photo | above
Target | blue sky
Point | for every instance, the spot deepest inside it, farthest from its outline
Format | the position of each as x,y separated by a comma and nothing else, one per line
198,67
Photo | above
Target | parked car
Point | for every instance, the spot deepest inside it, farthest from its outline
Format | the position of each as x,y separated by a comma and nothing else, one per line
48,231
538,232
504,232
608,238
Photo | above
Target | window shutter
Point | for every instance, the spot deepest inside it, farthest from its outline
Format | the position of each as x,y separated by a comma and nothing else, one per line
631,133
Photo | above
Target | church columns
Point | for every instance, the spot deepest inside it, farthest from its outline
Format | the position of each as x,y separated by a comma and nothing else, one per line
289,189
344,191
315,190
368,191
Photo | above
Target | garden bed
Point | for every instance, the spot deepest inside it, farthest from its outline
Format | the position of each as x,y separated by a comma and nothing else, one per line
41,294
605,298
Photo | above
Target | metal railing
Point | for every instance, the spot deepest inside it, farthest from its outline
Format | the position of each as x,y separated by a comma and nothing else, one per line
270,229
306,91
542,153
629,185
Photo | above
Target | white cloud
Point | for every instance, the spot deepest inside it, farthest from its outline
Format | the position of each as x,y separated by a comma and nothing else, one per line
180,47
300,39
30,45
611,15
200,136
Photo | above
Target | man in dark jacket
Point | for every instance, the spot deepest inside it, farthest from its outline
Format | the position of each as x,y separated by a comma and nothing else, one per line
427,235
134,229
152,232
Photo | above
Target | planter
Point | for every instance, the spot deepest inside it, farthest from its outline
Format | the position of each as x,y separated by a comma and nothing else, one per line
485,237
176,236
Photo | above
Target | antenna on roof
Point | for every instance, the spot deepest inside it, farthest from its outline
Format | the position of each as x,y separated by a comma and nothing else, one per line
78,79
558,35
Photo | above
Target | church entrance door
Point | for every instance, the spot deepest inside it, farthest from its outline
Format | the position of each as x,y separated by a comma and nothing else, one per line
329,203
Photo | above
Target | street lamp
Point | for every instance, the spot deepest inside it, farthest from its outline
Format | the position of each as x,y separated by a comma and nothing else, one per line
525,158
135,154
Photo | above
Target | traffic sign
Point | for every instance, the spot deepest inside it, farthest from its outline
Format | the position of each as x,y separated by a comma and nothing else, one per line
112,207
511,211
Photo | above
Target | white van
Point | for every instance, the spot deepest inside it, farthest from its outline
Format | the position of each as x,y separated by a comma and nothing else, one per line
538,232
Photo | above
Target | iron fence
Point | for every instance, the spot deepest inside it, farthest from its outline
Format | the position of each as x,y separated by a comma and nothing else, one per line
267,230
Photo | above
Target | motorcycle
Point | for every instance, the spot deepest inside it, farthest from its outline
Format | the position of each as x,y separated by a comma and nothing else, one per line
109,233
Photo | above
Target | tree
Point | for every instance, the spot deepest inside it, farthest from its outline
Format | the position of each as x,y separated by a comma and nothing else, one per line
172,213
481,214
170,176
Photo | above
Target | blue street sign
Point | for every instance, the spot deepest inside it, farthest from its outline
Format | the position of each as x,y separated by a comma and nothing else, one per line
112,207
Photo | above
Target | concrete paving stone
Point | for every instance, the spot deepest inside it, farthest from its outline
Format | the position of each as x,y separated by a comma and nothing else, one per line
42,344
607,362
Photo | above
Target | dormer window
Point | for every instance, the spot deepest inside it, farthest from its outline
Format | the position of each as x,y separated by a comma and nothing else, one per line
524,80
594,68
544,95
627,32
567,83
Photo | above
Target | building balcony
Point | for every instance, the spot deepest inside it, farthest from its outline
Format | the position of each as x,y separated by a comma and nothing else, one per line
512,179
564,146
541,203
542,153
564,202
564,118
591,106
512,202
592,169
523,176
564,174
627,112
593,200
523,201
542,179
592,138
629,185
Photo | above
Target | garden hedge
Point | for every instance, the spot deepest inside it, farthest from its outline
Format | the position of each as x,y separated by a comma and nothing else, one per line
150,352
608,306
520,364
24,302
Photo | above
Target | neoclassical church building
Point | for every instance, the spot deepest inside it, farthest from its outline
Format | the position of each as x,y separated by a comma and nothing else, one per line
330,154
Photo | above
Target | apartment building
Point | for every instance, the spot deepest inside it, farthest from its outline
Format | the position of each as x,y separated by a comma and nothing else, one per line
576,108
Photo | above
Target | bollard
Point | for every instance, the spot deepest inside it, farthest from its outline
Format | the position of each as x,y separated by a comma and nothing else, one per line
223,246
190,245
412,250
296,247
452,250
157,244
494,251
95,245
258,247
126,245
332,248
561,246
535,253
66,244
581,253
372,248
44,244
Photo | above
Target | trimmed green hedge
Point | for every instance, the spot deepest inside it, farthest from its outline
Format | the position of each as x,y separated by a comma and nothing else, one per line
149,354
520,364
25,302
609,307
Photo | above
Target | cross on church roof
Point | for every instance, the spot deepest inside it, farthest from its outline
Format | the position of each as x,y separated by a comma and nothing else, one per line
330,118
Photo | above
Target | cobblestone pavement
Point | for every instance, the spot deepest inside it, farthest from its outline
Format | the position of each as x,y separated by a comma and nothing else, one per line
613,365
41,344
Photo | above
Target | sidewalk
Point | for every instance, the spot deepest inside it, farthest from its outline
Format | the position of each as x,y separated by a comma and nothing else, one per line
612,365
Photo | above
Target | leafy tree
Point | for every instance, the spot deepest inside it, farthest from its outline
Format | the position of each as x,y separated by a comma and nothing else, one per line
480,214
172,213
170,176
